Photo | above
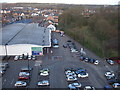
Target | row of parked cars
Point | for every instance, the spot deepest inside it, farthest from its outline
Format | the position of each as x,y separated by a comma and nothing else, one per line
112,80
72,76
72,46
86,59
21,57
23,77
3,68
44,72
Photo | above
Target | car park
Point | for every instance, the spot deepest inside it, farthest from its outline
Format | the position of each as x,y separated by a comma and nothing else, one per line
111,62
88,87
20,84
116,85
43,83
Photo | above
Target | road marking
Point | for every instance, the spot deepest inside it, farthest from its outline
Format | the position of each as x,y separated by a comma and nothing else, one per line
12,81
4,81
38,63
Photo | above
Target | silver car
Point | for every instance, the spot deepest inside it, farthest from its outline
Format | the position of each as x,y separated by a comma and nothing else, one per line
43,83
20,84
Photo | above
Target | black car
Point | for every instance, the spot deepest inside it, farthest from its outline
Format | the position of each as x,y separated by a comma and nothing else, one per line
26,69
65,46
111,81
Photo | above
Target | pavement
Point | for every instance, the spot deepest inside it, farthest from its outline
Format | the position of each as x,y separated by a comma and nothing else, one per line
56,62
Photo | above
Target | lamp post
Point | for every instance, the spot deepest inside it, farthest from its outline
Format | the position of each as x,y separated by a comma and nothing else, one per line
6,49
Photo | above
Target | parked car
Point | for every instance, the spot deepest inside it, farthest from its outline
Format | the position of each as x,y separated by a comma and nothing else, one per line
16,58
71,74
109,75
44,69
108,87
83,74
65,46
26,69
2,72
43,83
24,73
78,85
112,81
116,85
23,77
20,57
96,62
111,62
71,78
45,73
29,57
33,57
88,87
20,84
69,71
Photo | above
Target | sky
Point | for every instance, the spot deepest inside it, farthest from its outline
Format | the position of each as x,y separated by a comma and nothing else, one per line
107,2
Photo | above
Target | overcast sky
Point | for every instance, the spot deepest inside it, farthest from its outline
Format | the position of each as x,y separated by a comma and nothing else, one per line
109,2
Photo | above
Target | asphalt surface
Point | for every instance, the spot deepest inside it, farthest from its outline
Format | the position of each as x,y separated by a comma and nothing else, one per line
57,76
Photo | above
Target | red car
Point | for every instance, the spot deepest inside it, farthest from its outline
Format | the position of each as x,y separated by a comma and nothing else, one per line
117,59
23,77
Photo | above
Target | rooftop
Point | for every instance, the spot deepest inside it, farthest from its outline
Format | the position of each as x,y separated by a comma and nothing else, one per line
20,33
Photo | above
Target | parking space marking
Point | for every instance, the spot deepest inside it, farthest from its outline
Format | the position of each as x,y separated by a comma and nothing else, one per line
12,81
4,81
38,63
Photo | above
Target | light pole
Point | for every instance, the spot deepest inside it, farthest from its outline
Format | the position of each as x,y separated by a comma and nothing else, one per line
6,49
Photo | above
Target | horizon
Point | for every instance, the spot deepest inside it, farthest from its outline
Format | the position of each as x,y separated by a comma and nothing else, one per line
76,2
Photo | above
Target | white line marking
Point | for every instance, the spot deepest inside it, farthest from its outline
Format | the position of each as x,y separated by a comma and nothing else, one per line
12,81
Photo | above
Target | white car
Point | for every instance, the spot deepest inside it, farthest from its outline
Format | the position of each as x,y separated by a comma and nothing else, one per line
89,88
71,74
116,85
45,73
16,58
69,71
74,85
83,74
20,57
71,78
109,74
29,57
96,62
73,50
20,84
43,83
24,73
